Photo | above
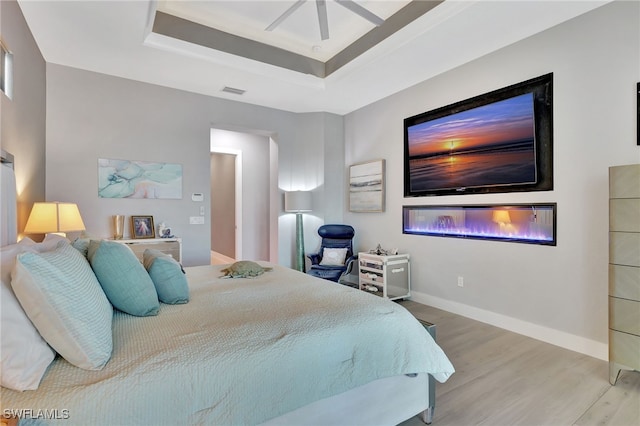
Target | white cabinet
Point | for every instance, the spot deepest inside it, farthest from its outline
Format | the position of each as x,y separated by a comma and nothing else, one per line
171,246
385,275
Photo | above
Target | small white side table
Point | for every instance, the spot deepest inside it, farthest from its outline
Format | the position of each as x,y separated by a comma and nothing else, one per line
171,246
385,275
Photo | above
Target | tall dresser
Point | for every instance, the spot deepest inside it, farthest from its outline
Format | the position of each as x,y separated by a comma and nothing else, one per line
624,269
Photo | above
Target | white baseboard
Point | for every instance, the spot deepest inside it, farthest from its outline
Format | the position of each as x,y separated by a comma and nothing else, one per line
549,335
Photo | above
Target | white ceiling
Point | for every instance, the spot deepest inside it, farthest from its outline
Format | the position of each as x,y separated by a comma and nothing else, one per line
298,33
115,38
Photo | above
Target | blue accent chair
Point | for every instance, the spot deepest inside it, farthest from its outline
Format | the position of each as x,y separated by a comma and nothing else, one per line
333,236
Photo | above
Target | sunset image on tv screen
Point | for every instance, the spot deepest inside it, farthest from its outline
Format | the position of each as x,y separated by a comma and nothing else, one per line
490,145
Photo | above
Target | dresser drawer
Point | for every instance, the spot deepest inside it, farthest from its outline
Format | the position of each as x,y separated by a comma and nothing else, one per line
624,181
624,248
624,215
624,282
398,277
624,349
624,316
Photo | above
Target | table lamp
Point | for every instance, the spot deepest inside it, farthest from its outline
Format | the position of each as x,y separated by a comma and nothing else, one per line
298,202
54,218
503,219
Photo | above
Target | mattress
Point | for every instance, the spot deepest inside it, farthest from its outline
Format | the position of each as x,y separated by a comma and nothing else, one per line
242,351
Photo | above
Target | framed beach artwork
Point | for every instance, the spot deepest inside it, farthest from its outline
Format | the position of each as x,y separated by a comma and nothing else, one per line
139,179
142,227
366,187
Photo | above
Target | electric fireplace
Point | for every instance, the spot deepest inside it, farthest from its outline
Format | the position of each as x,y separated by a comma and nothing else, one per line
519,223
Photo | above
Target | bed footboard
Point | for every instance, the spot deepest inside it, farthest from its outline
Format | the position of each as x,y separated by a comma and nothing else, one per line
387,401
427,415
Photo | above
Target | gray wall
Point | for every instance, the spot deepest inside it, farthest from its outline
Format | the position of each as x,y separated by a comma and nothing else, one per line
22,118
91,116
558,294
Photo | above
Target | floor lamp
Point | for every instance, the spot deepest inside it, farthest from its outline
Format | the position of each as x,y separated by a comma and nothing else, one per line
298,202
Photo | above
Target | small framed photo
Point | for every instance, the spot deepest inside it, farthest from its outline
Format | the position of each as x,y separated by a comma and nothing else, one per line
142,227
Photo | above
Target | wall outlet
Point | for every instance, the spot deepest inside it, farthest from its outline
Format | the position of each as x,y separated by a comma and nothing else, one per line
460,281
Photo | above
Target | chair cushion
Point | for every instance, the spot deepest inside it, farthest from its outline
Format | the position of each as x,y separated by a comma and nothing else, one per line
343,232
332,273
333,256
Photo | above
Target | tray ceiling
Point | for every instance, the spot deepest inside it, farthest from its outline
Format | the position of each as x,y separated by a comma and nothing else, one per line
118,38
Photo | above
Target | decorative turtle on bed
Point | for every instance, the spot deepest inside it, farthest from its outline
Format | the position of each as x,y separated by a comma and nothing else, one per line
244,269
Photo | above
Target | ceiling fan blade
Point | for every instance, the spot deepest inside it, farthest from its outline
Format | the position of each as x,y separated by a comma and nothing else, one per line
322,19
359,10
285,15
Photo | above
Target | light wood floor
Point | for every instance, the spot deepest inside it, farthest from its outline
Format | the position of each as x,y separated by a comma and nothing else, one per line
503,378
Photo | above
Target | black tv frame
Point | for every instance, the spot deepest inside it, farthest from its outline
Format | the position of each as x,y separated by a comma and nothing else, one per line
638,106
542,89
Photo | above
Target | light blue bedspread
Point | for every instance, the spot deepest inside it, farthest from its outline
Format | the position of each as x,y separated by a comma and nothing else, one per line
242,351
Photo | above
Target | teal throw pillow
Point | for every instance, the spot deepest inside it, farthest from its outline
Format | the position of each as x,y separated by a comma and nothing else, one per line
63,299
168,277
123,278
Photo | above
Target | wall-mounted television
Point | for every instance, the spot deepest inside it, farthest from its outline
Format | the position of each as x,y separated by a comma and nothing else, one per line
501,141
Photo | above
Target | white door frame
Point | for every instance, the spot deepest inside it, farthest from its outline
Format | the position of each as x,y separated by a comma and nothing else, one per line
238,212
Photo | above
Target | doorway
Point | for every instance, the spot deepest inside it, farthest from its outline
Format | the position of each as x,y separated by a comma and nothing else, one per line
223,207
256,192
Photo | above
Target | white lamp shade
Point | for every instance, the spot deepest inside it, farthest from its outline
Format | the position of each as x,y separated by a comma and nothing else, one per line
297,201
51,217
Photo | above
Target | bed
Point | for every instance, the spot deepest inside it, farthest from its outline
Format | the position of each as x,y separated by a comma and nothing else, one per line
283,348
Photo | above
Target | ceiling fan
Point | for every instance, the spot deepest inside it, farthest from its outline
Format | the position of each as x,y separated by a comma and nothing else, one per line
321,5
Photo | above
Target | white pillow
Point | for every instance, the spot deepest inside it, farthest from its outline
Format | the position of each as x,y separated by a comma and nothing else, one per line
25,354
50,242
63,298
333,256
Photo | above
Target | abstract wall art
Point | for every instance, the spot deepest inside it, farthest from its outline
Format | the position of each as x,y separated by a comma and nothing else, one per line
139,179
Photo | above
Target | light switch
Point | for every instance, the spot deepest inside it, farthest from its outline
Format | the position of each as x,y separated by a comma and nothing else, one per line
196,220
201,210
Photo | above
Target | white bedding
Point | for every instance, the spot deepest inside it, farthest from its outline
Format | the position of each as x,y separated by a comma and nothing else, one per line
242,351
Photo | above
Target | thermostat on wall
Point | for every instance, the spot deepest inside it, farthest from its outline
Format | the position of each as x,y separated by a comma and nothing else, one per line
197,196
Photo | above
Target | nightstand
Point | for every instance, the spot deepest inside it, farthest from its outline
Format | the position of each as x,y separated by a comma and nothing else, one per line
385,275
171,246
